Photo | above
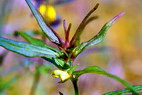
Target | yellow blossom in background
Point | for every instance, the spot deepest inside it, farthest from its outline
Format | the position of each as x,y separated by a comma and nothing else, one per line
48,12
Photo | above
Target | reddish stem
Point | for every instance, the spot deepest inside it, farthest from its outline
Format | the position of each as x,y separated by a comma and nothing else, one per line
81,26
67,31
67,36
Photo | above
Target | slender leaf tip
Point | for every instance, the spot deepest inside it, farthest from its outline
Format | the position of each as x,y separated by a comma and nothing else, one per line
47,29
116,17
82,25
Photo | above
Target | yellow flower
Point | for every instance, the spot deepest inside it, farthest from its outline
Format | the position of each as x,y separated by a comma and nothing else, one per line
63,75
48,12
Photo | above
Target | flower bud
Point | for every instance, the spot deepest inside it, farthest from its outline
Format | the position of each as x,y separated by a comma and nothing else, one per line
63,75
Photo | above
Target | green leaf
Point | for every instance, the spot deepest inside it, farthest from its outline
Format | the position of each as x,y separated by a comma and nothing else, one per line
98,70
36,42
137,88
90,69
26,49
97,38
44,26
57,62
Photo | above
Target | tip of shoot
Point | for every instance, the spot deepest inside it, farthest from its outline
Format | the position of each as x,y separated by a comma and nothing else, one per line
116,17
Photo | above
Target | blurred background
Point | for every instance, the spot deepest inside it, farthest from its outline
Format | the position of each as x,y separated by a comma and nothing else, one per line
120,53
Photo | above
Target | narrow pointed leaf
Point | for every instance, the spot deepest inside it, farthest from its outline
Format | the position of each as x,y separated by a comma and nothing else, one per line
26,49
138,88
90,69
45,27
98,70
100,36
35,41
90,20
57,62
97,38
76,38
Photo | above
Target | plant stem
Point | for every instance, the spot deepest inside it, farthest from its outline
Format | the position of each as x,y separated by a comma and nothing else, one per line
35,82
74,81
37,77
